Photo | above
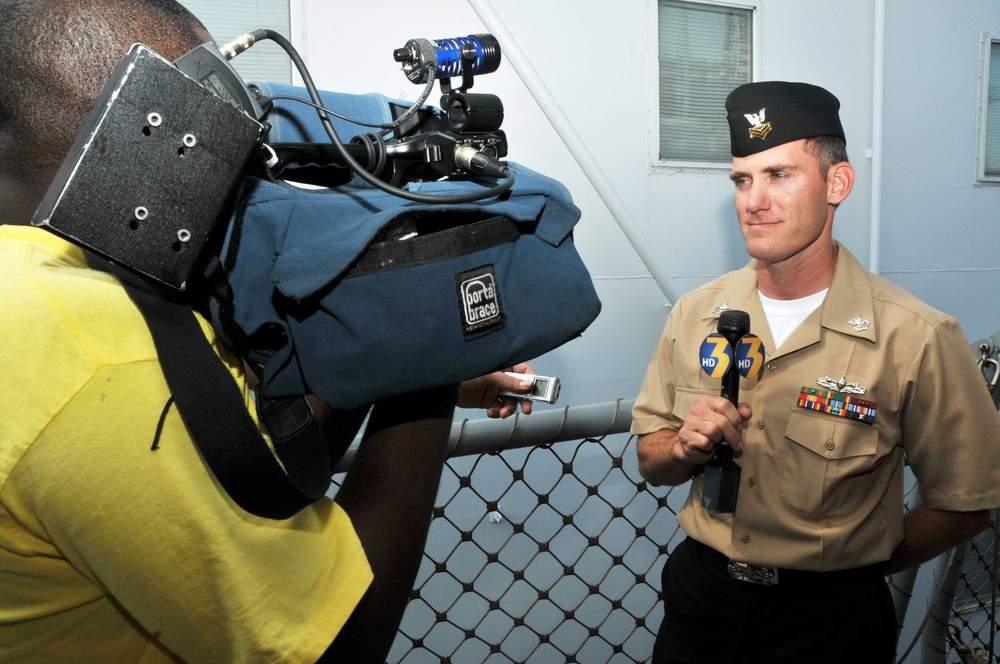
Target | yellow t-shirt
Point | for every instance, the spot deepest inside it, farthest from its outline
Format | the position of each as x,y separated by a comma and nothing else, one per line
110,550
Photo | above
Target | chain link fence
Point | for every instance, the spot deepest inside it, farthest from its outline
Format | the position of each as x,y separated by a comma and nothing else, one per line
972,630
552,553
544,554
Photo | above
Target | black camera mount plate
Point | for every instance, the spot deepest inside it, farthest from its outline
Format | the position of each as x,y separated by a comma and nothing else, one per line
153,170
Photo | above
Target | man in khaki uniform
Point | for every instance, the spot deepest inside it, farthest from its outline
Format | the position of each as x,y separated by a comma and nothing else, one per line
855,376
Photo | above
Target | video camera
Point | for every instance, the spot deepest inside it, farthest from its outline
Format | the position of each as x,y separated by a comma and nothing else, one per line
416,263
167,146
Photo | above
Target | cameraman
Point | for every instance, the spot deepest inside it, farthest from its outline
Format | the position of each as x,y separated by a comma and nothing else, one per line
116,549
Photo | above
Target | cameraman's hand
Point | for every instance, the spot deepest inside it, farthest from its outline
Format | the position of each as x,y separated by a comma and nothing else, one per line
484,392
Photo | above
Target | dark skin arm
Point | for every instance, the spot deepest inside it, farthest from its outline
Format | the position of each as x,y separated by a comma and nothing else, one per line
389,493
928,533
340,427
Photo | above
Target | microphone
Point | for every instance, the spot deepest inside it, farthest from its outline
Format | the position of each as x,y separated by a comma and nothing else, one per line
733,325
446,55
718,358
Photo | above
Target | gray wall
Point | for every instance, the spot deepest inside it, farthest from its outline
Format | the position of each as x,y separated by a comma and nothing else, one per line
939,231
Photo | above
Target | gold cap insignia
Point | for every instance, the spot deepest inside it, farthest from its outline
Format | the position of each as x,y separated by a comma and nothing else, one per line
760,129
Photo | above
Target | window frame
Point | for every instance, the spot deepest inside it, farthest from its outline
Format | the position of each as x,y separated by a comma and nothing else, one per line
987,40
267,61
658,164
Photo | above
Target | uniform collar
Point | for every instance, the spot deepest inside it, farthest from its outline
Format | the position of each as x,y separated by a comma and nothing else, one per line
847,309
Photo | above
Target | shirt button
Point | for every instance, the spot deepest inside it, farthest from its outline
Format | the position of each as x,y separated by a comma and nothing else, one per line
830,445
745,538
760,424
772,366
752,481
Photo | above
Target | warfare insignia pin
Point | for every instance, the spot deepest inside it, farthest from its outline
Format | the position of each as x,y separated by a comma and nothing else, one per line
841,385
760,129
859,325
720,308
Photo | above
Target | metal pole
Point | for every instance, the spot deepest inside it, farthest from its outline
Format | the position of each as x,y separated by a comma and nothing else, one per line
542,427
935,635
513,54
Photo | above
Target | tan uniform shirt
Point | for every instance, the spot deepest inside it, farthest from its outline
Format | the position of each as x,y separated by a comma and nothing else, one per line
821,492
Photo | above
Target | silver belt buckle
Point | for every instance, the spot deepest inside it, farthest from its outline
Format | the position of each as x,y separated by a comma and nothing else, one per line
765,576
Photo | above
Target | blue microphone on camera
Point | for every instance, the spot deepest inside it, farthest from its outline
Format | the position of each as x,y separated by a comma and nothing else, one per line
445,56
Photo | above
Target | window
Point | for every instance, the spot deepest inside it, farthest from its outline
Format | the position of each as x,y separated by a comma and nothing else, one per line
228,19
705,50
988,158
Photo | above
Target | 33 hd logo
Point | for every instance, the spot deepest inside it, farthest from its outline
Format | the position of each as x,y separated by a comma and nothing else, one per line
717,358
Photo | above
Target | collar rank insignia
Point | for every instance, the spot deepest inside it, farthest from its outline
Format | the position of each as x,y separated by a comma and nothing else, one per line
719,308
759,128
859,325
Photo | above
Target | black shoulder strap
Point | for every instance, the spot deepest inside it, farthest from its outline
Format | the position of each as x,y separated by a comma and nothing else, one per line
214,411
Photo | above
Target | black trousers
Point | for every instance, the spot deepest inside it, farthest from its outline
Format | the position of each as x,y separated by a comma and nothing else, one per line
710,617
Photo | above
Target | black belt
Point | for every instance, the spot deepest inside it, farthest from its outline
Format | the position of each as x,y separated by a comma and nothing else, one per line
772,576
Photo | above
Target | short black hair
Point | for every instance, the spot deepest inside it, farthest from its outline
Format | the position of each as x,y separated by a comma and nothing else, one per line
56,56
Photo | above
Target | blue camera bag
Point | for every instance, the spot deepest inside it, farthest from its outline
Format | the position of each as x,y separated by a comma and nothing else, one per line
353,294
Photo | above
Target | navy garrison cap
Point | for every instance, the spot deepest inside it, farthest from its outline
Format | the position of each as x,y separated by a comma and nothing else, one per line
766,114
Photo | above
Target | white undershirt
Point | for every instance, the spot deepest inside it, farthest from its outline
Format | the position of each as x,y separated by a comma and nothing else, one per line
783,316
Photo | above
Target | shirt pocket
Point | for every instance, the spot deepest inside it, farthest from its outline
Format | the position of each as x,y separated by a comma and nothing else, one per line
684,399
828,464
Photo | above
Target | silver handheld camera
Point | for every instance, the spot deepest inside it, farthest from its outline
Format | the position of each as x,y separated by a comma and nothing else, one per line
543,388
